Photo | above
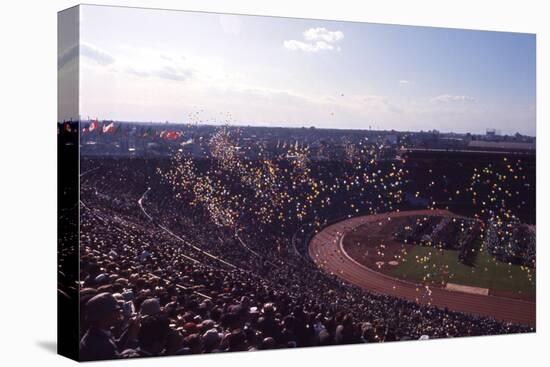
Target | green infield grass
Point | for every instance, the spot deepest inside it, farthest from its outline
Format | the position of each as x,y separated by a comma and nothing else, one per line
427,264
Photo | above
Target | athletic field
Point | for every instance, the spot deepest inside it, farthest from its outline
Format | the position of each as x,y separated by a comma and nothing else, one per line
426,264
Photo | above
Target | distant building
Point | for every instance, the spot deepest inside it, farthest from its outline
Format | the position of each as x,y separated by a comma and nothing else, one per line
502,145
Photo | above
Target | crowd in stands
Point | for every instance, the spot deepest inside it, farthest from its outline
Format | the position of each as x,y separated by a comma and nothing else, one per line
157,278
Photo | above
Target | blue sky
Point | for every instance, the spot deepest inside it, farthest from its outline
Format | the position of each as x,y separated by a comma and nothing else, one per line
156,65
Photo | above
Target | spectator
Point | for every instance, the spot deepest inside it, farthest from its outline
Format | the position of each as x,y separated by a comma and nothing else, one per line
103,312
153,336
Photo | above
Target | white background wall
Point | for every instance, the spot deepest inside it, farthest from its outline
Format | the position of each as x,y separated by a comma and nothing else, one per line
28,65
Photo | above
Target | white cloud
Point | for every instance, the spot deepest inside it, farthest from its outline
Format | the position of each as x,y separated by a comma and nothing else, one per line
404,82
67,56
99,56
142,63
379,102
317,39
169,72
173,73
322,34
308,47
446,98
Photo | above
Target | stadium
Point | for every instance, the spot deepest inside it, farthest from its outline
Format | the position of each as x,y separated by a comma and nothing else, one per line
233,239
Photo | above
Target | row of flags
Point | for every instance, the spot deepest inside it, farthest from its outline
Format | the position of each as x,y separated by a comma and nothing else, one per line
109,127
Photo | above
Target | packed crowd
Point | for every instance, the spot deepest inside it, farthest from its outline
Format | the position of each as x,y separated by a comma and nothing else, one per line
159,276
513,243
461,234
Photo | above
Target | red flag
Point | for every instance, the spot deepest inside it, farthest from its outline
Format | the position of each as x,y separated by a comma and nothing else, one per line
94,124
109,128
172,135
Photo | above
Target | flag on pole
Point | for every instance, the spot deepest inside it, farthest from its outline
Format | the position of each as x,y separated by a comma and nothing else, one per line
187,142
172,135
109,128
94,125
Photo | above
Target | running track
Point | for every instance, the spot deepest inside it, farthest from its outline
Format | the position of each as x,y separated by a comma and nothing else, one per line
326,250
